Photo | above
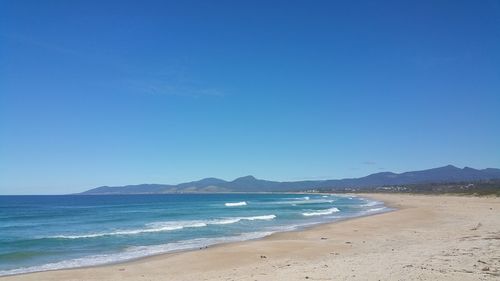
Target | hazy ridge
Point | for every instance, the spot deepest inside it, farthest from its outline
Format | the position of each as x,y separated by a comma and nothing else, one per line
251,184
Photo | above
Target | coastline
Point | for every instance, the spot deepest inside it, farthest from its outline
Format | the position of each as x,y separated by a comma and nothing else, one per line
375,207
408,240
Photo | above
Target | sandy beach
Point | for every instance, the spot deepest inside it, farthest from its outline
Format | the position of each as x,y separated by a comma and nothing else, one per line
426,238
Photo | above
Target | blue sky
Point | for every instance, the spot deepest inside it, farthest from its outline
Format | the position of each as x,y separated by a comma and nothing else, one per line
125,92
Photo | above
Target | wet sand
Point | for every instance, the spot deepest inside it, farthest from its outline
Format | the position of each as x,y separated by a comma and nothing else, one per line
427,238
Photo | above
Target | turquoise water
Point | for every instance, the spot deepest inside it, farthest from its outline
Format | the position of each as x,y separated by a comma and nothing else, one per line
52,232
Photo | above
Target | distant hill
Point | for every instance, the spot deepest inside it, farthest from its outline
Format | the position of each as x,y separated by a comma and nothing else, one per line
476,187
251,184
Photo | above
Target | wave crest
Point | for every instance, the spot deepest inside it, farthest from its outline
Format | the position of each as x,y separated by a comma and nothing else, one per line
153,227
376,210
372,203
235,204
136,252
322,212
166,226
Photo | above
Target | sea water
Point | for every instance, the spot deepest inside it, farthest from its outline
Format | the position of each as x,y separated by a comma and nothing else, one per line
40,233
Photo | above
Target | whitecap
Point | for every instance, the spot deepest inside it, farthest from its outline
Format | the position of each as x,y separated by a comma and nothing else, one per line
136,252
372,203
151,228
166,226
322,212
376,210
310,201
235,204
265,217
226,221
238,219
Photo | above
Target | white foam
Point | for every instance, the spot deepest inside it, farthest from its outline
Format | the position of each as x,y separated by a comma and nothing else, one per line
322,212
376,210
136,252
226,221
166,226
238,219
266,217
298,202
235,204
150,228
372,203
173,225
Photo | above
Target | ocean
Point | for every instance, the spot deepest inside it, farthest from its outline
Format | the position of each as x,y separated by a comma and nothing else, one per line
39,233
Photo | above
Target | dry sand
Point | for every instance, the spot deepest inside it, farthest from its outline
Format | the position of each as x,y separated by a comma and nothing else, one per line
427,238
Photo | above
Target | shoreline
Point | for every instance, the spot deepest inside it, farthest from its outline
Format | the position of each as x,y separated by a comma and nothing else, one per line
181,251
306,247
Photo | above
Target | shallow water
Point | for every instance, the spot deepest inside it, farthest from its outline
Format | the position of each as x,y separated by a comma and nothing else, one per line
52,232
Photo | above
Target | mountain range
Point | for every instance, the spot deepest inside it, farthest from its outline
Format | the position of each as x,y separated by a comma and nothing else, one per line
448,173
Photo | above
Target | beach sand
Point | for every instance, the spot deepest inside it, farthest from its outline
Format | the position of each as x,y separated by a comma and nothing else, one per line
427,238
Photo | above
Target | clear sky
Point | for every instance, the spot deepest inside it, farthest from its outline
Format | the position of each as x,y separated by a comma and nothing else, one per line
124,92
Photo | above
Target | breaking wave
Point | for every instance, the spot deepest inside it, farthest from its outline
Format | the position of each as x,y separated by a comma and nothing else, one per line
322,212
166,226
236,204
